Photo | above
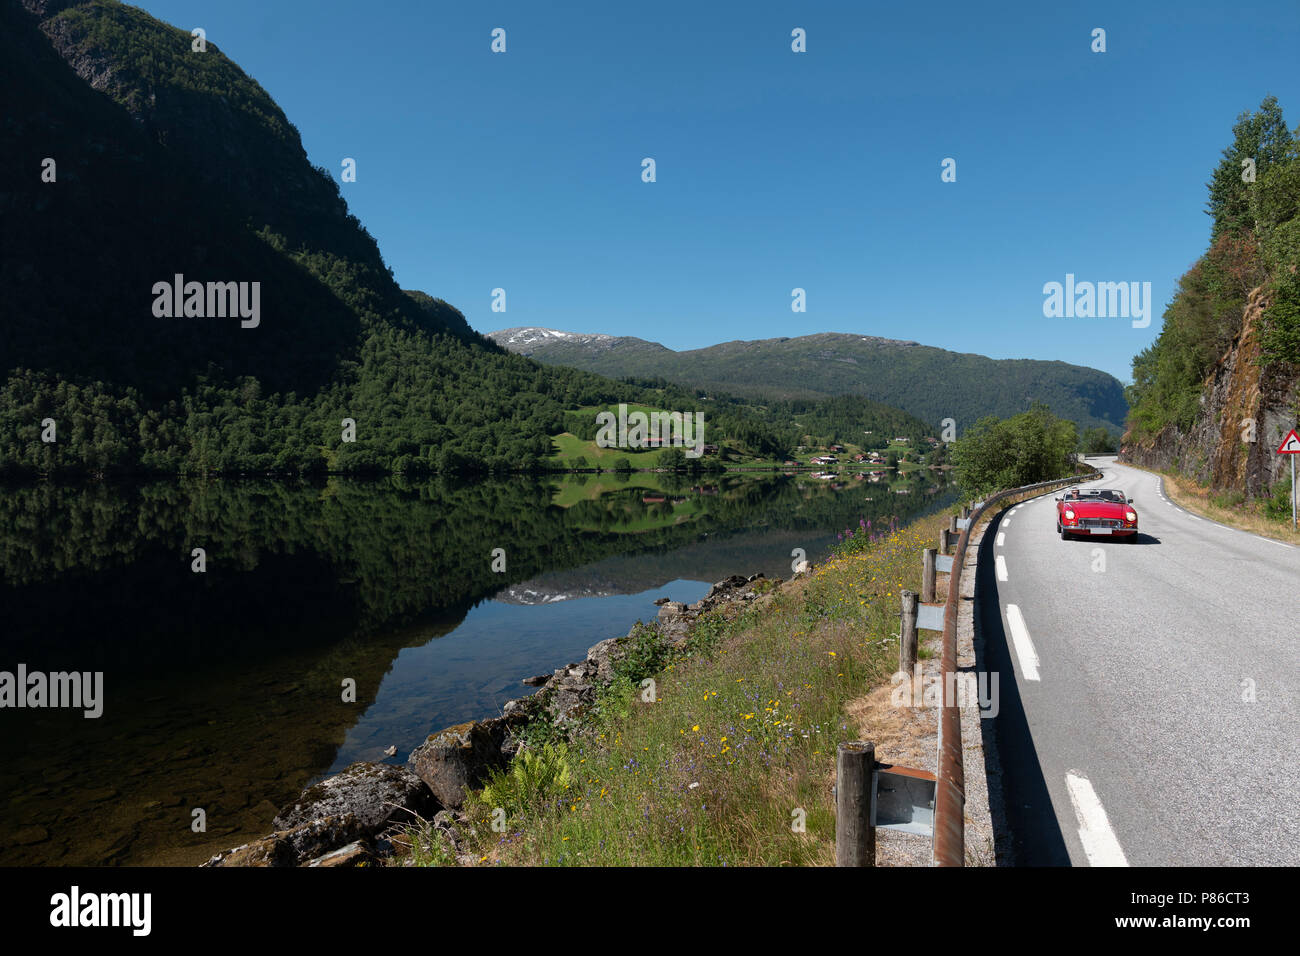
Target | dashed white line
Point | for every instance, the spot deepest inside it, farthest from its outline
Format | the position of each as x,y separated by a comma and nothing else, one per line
1099,842
1006,522
1025,652
1002,539
1001,564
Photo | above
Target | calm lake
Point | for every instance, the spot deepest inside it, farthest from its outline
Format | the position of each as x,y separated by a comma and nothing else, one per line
223,689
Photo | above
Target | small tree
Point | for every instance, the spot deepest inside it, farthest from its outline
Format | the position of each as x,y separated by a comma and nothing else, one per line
672,459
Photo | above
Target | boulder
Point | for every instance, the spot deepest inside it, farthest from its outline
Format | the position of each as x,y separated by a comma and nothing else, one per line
459,758
606,656
377,794
675,623
295,846
726,584
569,697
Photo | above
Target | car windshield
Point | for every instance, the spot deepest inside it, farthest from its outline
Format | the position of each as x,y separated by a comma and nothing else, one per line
1103,494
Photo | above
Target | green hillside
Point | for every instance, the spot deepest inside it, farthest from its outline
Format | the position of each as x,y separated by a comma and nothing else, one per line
1254,249
928,382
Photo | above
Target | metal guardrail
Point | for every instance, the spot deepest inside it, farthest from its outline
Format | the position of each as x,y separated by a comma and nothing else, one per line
950,781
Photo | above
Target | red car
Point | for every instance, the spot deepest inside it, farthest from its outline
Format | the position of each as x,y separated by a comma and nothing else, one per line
1096,511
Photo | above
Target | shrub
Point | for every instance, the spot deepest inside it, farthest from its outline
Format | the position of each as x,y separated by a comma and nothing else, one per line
535,778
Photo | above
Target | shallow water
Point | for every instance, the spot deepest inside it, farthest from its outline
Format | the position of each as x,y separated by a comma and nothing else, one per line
223,690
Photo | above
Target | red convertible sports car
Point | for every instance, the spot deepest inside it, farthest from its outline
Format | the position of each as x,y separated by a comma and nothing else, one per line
1096,511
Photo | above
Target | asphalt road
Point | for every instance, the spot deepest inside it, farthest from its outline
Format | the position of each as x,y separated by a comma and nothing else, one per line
1154,718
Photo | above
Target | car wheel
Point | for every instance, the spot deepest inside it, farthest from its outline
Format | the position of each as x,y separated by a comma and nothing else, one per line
1065,535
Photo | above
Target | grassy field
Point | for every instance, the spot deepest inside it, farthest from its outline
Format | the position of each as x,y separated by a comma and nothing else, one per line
1226,508
569,446
739,745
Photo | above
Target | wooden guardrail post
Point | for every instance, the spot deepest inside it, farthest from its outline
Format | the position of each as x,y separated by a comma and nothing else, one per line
907,634
952,524
943,540
855,837
927,575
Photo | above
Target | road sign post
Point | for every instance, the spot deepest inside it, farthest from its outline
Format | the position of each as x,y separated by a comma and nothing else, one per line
1291,446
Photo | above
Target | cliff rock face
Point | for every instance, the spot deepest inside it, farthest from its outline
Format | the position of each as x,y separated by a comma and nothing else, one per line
1217,449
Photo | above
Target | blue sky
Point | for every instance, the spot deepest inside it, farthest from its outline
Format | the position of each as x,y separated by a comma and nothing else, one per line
775,170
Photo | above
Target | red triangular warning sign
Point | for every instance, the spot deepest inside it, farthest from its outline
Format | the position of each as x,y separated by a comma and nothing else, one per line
1290,444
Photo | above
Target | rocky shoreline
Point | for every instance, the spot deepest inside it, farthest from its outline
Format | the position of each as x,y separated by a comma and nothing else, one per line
358,816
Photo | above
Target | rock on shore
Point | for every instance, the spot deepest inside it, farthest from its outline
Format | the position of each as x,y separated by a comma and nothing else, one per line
348,819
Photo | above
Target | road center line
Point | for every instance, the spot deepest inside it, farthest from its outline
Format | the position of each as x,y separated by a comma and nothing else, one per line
1001,563
1006,522
1099,842
1002,539
1025,652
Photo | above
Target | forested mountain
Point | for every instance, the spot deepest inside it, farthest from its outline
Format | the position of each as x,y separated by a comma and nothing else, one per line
1221,385
136,159
928,382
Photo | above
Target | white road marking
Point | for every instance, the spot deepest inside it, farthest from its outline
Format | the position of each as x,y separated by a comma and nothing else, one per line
1006,522
1025,652
1001,563
1099,842
1002,539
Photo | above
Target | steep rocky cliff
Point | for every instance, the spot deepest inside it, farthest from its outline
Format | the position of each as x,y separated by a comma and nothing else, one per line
1218,449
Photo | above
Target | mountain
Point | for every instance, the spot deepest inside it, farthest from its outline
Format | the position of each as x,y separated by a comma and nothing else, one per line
130,159
928,382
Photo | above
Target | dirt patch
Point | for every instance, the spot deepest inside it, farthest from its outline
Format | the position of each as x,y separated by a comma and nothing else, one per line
905,736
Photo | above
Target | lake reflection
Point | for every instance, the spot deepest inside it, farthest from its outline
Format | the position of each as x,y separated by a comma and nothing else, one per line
223,690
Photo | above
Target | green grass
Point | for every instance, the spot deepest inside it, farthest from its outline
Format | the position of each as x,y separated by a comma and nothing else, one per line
569,446
739,742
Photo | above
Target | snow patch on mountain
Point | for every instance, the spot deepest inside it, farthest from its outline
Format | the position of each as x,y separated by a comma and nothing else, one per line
526,336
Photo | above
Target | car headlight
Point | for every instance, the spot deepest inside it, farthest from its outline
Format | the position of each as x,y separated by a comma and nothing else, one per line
1069,514
1130,516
